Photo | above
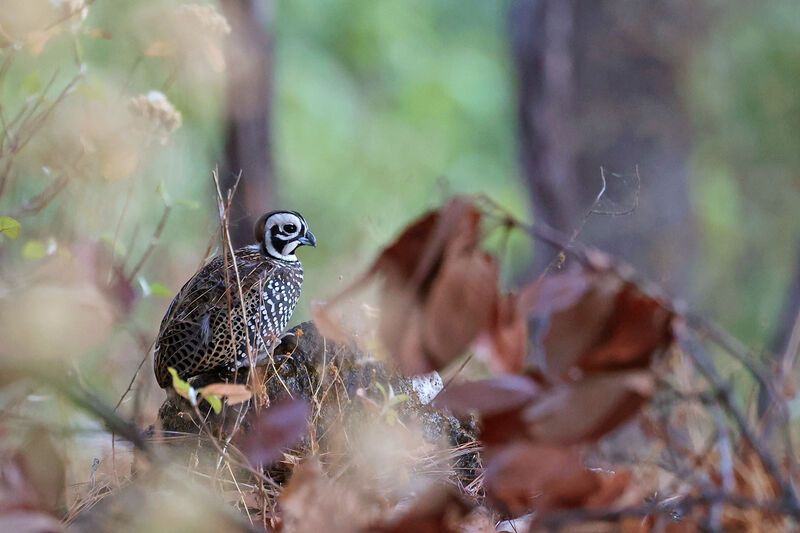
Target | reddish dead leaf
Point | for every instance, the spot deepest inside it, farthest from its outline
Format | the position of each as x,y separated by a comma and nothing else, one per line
438,511
554,293
439,288
526,476
234,393
577,328
502,428
459,305
589,408
275,429
639,327
612,486
415,256
487,397
601,323
508,330
400,259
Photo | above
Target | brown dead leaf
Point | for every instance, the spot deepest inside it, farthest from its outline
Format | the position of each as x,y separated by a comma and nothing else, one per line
554,293
639,327
598,323
576,329
235,393
508,330
459,305
439,288
526,476
487,397
589,408
275,429
502,428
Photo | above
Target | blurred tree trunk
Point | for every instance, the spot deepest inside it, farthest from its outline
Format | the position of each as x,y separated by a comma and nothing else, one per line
598,86
248,145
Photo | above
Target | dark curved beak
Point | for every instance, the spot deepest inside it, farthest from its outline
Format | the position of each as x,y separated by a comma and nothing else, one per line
308,239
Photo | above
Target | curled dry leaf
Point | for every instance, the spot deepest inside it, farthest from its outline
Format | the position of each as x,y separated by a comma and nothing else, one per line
439,288
526,476
275,429
588,409
235,393
508,331
488,397
459,305
598,322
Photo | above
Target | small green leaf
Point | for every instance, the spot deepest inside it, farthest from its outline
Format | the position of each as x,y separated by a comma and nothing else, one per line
398,398
32,84
10,227
181,387
34,250
383,391
157,289
214,401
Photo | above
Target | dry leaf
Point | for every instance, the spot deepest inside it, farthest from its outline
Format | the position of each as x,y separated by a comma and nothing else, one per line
234,393
488,397
527,476
508,331
588,409
275,429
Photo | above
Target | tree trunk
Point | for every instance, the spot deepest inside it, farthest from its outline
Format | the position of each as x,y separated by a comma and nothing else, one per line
248,145
598,87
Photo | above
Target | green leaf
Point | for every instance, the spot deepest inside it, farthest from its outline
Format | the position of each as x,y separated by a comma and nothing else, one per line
157,289
182,387
32,84
214,401
34,250
10,227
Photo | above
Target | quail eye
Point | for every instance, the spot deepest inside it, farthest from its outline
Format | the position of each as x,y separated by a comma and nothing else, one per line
290,228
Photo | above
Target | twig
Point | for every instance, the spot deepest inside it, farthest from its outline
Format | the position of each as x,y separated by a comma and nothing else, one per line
153,241
722,392
34,205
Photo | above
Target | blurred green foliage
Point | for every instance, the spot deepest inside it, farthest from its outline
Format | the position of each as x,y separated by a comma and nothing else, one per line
744,96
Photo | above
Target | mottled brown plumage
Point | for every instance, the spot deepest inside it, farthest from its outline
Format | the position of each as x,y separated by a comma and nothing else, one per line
204,328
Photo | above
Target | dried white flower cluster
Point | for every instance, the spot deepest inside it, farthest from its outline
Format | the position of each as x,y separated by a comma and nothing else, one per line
207,18
158,111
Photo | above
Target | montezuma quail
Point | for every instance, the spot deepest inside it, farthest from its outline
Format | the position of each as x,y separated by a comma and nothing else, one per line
203,330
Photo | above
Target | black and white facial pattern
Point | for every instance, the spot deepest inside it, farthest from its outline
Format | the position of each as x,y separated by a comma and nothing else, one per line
284,231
